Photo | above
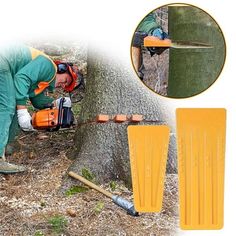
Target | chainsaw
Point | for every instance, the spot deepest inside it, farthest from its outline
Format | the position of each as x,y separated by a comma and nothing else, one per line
52,119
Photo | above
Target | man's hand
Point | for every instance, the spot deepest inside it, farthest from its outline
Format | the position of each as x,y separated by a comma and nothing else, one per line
158,32
66,103
24,120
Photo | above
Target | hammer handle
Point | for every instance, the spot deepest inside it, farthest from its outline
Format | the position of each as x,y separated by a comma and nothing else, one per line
90,184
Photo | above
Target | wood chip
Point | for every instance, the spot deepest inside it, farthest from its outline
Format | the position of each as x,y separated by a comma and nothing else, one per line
71,212
42,136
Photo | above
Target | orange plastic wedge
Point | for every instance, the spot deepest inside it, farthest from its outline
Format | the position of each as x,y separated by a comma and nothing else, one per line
152,41
201,154
148,147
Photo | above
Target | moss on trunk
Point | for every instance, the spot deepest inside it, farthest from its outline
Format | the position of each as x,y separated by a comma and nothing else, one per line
192,71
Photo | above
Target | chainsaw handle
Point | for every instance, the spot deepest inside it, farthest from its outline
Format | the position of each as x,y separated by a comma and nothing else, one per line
60,113
48,105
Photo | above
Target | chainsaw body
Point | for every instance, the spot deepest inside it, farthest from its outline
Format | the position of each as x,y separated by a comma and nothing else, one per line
53,119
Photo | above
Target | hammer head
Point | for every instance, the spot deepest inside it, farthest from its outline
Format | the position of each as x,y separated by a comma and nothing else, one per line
126,205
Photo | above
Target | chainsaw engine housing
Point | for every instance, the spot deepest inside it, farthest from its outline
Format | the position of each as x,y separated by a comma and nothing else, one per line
47,118
53,119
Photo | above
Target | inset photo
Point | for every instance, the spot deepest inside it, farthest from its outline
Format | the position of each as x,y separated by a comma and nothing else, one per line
178,50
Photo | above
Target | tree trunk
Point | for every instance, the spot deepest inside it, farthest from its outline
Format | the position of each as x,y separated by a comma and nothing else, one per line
102,148
192,71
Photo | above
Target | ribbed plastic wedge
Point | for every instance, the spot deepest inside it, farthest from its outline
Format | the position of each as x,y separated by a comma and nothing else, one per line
148,146
201,155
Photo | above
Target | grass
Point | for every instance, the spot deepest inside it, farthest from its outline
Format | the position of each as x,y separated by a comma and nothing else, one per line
87,174
38,233
75,189
99,207
58,223
113,185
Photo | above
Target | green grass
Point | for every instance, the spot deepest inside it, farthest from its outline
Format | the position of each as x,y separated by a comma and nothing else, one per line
87,174
58,223
113,185
38,233
99,207
76,189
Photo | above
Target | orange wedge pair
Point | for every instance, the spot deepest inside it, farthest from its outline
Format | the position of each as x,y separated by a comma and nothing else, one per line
201,149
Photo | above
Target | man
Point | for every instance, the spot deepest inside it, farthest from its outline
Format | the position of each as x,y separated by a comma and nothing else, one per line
26,74
148,26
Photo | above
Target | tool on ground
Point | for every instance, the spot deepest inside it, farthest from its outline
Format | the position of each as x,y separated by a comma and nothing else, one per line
201,150
53,119
152,41
126,205
148,146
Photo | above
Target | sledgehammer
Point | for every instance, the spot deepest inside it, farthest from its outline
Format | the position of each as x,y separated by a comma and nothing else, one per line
126,205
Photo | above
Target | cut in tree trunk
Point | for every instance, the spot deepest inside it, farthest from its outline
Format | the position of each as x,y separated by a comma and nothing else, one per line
102,149
192,71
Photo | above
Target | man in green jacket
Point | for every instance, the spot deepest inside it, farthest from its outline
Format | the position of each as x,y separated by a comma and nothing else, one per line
148,26
27,74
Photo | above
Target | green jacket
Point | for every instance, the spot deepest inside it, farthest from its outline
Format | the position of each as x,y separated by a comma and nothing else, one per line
28,68
148,24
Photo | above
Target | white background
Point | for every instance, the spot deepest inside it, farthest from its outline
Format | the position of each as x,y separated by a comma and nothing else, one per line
110,24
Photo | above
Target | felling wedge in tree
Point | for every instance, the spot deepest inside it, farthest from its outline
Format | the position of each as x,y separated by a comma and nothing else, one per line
152,41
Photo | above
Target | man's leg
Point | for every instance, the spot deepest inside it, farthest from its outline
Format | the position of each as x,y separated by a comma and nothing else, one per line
136,56
14,131
7,104
136,52
7,111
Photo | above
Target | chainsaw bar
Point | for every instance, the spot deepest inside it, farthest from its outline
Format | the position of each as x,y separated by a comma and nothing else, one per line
151,41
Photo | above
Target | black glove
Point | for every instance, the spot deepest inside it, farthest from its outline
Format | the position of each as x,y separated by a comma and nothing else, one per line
158,32
156,50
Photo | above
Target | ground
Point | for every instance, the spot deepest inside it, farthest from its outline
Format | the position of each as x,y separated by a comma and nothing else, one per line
32,203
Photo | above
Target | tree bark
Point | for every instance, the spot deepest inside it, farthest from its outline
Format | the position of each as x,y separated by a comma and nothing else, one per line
192,71
111,88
